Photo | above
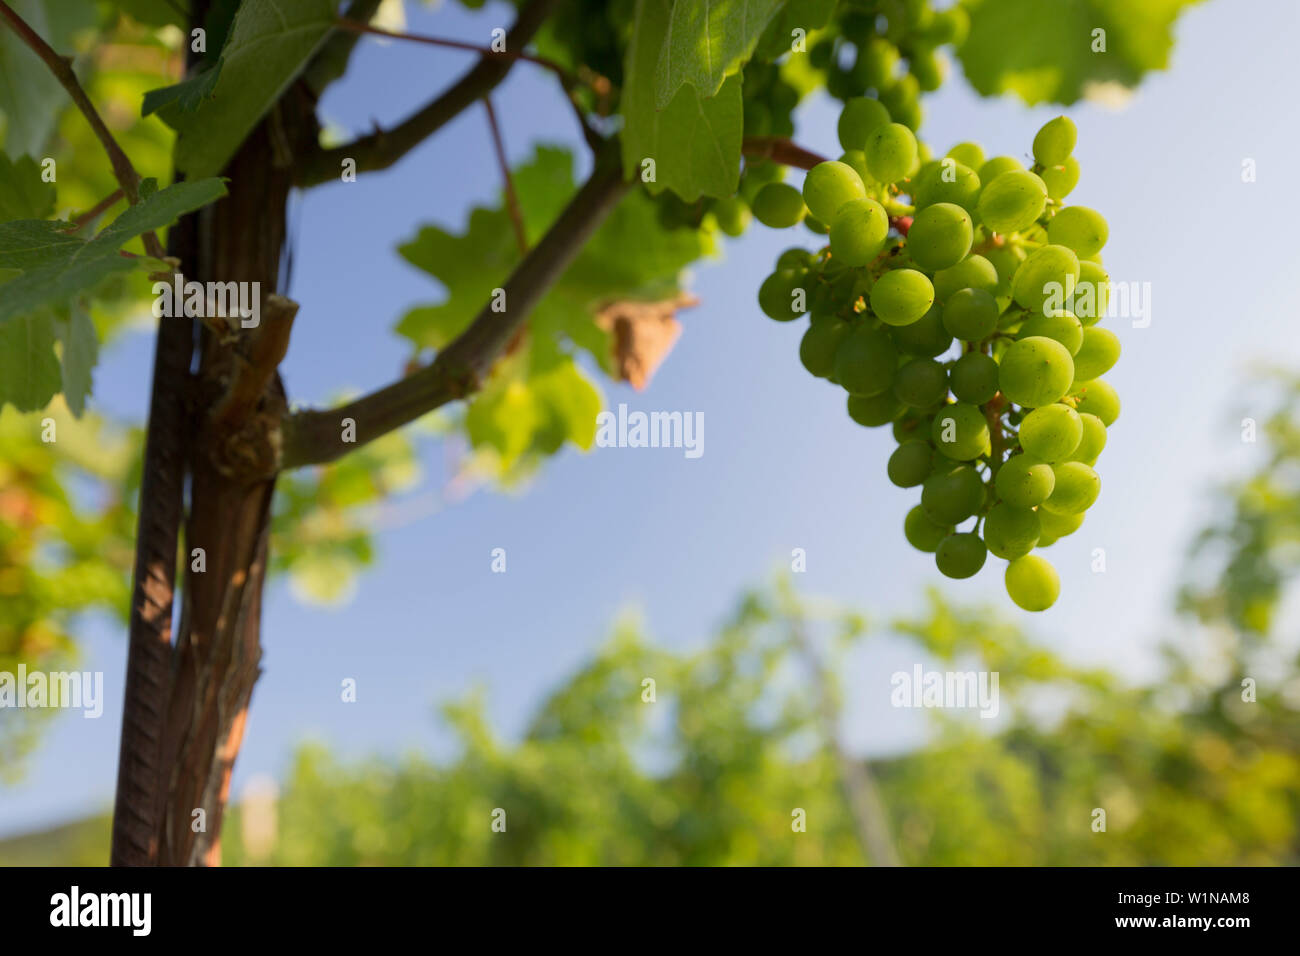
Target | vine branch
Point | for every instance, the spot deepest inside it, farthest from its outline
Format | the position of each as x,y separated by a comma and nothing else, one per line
506,54
316,437
383,148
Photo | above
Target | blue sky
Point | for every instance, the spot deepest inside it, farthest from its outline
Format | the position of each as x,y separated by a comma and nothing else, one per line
783,466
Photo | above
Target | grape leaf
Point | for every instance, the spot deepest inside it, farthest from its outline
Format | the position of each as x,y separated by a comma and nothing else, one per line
268,46
56,266
188,95
80,353
707,41
29,370
1044,52
694,142
30,97
23,195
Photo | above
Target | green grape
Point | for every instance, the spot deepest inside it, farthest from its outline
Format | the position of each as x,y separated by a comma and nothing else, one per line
828,186
973,272
1051,433
973,378
946,181
927,68
910,464
961,432
877,61
921,532
816,226
1059,525
860,116
950,26
781,294
1061,180
865,362
921,383
1033,583
778,206
891,152
961,555
1097,354
795,258
968,154
1093,441
1062,326
952,493
1024,481
902,99
1054,143
998,165
1035,372
857,161
1046,279
1006,261
1097,398
1012,201
1079,228
732,215
819,344
1076,489
926,336
1091,293
872,411
970,315
1010,531
859,231
940,236
901,297
912,427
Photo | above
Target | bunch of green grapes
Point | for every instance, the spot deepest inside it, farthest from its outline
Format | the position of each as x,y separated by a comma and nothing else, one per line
958,302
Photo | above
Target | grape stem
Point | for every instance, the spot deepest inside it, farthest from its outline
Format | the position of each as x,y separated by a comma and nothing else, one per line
993,412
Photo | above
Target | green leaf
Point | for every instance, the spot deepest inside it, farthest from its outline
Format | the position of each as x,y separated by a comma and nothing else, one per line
1044,52
30,97
708,41
80,353
57,266
23,194
187,96
29,370
694,142
570,400
268,47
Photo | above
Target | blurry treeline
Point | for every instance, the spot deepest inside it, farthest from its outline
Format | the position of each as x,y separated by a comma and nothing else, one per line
1201,766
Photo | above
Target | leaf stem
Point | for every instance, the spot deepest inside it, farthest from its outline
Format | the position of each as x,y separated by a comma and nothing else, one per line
512,198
